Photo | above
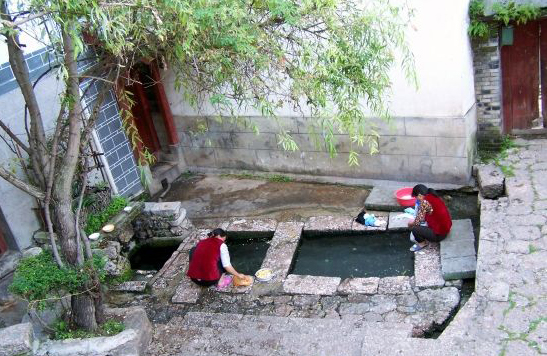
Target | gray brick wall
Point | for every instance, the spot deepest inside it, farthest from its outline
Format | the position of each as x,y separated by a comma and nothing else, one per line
486,62
37,62
413,148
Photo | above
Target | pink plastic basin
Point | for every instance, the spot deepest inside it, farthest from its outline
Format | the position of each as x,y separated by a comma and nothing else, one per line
404,197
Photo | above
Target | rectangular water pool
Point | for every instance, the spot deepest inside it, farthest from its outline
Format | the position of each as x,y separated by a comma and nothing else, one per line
247,251
379,254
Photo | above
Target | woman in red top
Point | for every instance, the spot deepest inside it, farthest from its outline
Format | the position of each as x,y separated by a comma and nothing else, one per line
209,259
432,211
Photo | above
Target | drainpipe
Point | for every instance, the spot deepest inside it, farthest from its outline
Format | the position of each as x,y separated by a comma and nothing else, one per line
104,162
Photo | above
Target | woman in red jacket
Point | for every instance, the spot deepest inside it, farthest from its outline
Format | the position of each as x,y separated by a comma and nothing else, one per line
209,259
432,211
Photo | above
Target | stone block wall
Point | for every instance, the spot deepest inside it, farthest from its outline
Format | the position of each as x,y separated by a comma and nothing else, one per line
486,62
411,148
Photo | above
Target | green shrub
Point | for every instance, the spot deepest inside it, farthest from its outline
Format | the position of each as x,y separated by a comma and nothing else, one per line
62,330
39,279
97,220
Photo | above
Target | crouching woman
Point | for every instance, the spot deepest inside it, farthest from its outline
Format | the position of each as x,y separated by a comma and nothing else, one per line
432,222
209,259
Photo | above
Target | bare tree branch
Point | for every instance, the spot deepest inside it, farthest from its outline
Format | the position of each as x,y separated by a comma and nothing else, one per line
15,24
24,186
14,137
37,138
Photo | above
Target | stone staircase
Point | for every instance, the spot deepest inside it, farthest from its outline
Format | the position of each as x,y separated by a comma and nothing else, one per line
199,333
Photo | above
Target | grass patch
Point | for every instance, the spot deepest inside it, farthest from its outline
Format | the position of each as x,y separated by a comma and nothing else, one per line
278,178
497,157
97,220
62,330
127,275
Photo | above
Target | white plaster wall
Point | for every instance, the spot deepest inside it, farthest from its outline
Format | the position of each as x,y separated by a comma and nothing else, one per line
444,67
16,205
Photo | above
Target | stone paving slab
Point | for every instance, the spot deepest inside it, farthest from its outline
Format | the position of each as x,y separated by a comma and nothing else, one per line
328,223
187,292
461,230
459,267
279,259
359,286
490,179
381,216
130,286
398,221
457,248
280,254
394,285
317,285
255,225
458,258
427,267
289,231
383,198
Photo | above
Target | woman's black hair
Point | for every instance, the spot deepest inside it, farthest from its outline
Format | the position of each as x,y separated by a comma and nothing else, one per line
217,232
423,190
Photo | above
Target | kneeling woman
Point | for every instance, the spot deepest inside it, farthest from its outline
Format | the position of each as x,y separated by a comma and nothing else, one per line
209,259
432,211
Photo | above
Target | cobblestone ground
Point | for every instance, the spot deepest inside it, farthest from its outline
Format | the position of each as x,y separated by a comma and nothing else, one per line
507,314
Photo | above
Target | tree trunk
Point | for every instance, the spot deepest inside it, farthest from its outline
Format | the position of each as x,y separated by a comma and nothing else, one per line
83,311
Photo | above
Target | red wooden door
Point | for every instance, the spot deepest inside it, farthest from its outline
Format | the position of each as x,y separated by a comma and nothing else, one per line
3,244
520,77
543,68
143,118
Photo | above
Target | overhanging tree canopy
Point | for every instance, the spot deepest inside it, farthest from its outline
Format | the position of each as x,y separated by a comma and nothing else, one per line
327,58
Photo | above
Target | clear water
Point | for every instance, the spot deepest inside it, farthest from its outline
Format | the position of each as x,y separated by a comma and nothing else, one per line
247,253
376,254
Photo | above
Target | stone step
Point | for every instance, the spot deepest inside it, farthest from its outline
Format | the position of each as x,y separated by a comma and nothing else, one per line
295,325
383,198
229,341
199,333
458,257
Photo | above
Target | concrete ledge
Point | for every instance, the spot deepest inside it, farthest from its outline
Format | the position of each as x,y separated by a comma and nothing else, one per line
359,286
316,285
427,267
187,292
328,223
394,285
252,225
383,198
133,340
281,251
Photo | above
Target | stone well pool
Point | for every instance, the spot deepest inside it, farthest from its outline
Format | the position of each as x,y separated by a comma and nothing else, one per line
247,251
374,254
